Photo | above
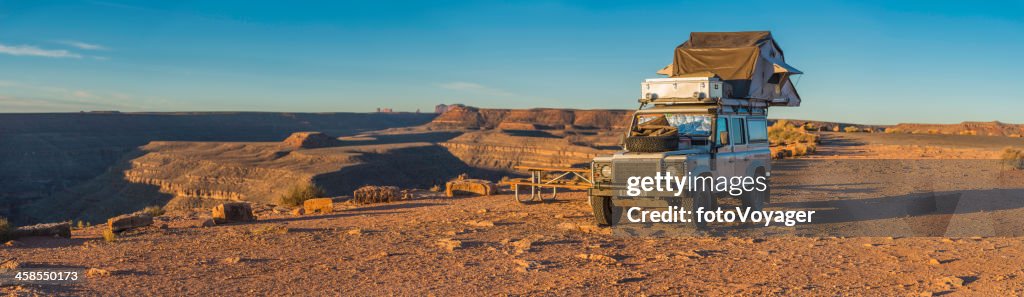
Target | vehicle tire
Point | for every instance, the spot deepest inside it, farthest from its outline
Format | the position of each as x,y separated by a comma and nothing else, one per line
756,200
711,202
602,210
697,200
652,144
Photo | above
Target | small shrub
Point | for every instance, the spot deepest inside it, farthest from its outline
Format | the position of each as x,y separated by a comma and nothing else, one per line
109,235
154,211
799,150
782,133
5,229
1013,157
375,194
802,149
81,224
299,194
851,129
435,188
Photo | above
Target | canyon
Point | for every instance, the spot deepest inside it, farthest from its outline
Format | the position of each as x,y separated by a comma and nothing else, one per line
92,166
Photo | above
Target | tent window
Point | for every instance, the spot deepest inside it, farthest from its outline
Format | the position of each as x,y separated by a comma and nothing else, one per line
775,78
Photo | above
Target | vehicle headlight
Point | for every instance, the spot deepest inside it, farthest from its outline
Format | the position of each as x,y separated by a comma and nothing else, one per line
606,170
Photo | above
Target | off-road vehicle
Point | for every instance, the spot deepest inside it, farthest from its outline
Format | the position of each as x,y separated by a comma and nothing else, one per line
709,118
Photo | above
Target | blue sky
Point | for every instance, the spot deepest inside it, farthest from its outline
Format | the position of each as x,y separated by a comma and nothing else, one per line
865,61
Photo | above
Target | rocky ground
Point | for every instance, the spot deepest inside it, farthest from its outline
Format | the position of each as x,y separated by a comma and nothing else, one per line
494,245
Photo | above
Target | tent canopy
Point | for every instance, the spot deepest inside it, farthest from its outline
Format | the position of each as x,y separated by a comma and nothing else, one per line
750,62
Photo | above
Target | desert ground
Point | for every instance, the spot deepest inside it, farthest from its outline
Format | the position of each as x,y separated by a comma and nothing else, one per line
903,214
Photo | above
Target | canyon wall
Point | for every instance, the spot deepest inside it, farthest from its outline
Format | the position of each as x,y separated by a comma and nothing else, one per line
42,155
543,118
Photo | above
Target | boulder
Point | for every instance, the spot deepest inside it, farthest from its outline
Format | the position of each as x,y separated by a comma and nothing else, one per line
318,205
474,186
233,212
129,221
373,194
62,229
203,222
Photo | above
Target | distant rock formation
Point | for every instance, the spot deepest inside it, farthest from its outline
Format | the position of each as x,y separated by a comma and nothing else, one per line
490,149
517,126
468,117
994,128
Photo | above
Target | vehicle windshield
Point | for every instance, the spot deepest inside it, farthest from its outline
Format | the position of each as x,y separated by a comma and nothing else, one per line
688,124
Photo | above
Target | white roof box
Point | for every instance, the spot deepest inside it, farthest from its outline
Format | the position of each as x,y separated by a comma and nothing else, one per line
699,88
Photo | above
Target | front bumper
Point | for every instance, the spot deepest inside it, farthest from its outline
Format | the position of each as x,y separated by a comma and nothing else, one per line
620,192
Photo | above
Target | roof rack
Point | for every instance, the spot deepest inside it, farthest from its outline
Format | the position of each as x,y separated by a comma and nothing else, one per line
752,103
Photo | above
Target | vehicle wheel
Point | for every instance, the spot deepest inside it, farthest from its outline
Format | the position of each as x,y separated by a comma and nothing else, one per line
652,144
602,210
756,200
697,200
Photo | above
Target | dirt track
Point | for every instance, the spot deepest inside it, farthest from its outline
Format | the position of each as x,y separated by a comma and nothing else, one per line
409,248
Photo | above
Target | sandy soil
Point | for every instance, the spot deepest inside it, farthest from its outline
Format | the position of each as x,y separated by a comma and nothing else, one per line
495,246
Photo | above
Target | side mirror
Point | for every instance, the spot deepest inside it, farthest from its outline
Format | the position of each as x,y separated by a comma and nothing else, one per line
723,137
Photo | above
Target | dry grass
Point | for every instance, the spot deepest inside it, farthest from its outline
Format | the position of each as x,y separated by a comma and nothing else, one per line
803,149
109,235
299,194
1013,157
782,133
790,141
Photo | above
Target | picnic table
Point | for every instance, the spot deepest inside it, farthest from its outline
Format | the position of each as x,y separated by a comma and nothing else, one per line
550,177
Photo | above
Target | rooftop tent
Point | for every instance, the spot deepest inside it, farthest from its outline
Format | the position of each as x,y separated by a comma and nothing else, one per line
751,63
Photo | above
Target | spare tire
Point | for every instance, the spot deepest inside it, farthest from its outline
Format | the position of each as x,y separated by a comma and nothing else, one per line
652,144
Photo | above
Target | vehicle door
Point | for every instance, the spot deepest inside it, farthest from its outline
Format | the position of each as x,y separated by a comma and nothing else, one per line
725,156
743,155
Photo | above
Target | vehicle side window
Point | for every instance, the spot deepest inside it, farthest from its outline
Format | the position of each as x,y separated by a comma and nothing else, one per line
738,135
758,130
723,126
